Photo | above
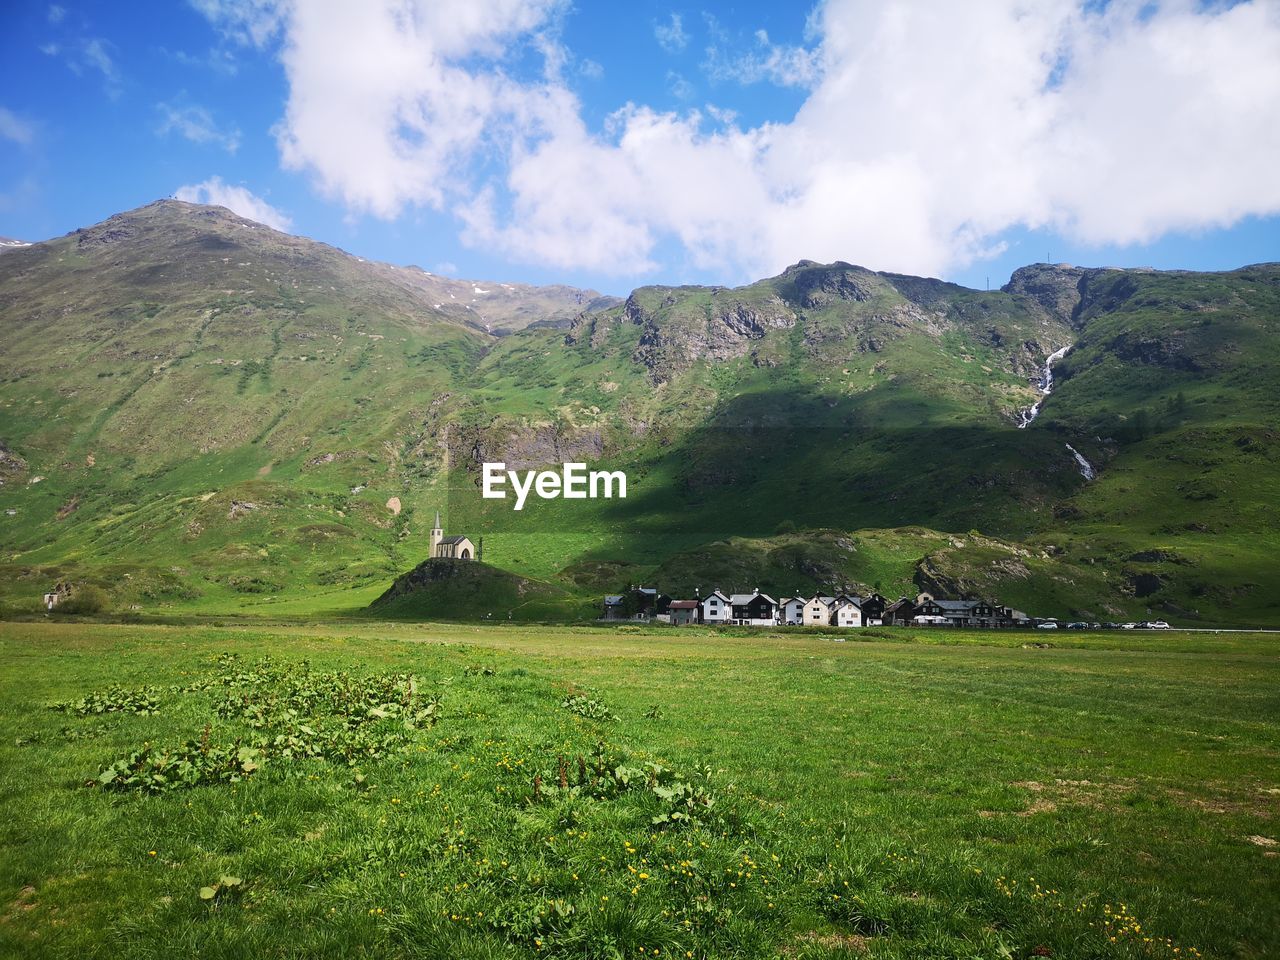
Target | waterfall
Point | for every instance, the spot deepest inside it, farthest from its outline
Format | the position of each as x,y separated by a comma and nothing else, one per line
1086,468
1045,386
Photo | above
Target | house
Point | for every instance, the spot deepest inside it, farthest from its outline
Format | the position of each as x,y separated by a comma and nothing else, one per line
900,612
929,610
451,548
684,611
791,611
846,612
60,592
753,609
872,609
716,608
652,602
986,614
638,603
817,611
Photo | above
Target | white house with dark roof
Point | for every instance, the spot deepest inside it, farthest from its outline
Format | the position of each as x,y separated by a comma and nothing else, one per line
716,608
753,609
791,610
846,612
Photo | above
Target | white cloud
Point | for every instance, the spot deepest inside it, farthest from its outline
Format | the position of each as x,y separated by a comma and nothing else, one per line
926,131
196,124
95,55
85,55
14,128
56,13
679,86
252,22
670,35
236,199
787,66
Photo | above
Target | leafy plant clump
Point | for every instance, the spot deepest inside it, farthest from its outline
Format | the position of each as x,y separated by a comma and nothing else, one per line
194,764
589,707
681,801
226,887
114,699
283,715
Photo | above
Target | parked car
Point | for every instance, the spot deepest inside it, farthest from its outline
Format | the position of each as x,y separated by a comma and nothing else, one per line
1158,625
1110,626
1128,626
1095,626
1047,625
1077,625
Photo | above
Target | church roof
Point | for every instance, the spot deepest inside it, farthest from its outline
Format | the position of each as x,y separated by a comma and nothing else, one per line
453,539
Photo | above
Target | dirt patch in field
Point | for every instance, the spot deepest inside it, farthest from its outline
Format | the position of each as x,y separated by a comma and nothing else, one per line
1049,796
1218,800
1109,794
828,941
24,902
1089,793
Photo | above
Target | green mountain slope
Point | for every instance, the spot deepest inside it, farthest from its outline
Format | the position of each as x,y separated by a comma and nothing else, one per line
235,417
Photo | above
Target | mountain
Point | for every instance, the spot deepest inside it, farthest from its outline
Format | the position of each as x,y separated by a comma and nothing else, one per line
199,411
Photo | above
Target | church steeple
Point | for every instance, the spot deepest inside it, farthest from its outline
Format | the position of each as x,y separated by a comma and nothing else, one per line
437,534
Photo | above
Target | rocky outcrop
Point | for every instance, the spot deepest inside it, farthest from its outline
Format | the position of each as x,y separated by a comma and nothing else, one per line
1059,288
12,466
671,342
949,573
820,286
1168,350
522,446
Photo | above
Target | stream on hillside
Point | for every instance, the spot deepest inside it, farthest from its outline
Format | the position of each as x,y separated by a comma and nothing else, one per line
1045,386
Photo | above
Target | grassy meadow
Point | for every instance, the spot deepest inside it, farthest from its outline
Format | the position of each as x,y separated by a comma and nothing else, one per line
364,789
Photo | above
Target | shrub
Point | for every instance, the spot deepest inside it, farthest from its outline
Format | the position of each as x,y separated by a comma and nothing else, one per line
85,601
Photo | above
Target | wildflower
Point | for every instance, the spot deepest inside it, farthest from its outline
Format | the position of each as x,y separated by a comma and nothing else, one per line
151,853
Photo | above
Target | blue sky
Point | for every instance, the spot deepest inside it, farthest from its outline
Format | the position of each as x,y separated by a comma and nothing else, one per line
610,145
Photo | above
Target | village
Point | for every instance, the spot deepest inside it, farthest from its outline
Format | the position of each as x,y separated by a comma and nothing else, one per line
757,609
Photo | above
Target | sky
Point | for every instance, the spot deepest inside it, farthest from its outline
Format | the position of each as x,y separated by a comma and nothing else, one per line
611,145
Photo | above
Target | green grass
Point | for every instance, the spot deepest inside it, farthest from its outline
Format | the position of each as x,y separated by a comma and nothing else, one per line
961,797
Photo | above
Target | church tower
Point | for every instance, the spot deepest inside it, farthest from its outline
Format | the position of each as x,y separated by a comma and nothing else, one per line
437,534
